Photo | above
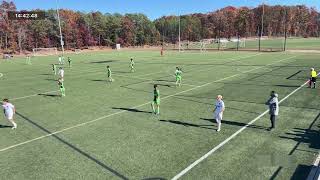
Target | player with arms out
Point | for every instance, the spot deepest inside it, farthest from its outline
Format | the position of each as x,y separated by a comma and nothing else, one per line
156,100
131,65
109,74
9,110
61,86
178,74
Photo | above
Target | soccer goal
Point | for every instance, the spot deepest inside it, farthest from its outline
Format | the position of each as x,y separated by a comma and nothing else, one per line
44,51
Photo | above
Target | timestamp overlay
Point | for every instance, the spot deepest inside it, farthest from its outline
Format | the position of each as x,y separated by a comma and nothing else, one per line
26,15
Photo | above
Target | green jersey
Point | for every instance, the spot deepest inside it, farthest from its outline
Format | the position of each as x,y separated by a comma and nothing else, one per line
60,83
156,93
109,72
178,73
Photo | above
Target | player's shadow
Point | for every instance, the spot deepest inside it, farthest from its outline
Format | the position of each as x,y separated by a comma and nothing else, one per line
45,74
102,62
132,110
306,136
98,80
203,126
73,147
49,95
5,126
48,79
290,86
235,123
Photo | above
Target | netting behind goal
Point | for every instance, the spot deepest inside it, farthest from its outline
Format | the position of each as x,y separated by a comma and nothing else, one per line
44,51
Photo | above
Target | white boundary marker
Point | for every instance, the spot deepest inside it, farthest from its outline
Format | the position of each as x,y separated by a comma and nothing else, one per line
122,111
183,172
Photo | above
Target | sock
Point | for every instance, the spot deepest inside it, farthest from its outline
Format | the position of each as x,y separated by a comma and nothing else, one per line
158,110
153,110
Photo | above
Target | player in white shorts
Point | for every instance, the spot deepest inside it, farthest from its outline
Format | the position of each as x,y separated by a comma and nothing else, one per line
218,111
9,111
61,73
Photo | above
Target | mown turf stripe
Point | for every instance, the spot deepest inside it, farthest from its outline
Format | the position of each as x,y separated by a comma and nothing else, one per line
195,163
123,111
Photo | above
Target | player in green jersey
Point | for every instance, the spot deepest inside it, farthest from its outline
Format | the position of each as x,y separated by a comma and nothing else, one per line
178,75
156,100
61,86
131,65
109,73
54,69
69,62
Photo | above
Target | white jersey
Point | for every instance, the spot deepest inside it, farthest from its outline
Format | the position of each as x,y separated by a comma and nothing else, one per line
60,59
8,109
219,106
61,73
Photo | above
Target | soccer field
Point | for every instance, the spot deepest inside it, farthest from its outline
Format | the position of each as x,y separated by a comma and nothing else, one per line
104,130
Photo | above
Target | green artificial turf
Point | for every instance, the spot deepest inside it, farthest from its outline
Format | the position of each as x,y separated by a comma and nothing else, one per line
106,130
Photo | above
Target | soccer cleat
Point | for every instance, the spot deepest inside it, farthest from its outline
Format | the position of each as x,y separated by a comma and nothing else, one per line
14,127
218,130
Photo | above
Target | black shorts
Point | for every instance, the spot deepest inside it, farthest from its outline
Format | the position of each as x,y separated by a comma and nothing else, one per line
313,79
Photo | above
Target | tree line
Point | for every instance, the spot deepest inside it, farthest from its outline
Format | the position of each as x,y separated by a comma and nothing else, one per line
81,29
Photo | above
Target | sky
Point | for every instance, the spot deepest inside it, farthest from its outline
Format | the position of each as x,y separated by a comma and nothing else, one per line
153,8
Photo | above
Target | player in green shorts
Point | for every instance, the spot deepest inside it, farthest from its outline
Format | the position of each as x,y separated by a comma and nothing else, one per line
131,65
156,100
54,69
69,62
178,75
109,73
61,86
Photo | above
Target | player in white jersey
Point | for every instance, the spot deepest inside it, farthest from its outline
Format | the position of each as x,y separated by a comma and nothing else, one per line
9,110
218,111
60,59
61,73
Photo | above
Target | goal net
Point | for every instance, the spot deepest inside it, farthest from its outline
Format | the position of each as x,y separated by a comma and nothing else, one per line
44,51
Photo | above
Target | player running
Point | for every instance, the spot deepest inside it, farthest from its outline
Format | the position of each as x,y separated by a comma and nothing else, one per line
313,78
156,100
54,69
9,111
109,74
178,75
131,65
61,86
218,111
69,62
61,73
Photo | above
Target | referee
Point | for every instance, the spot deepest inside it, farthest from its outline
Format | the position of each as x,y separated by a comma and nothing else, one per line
313,78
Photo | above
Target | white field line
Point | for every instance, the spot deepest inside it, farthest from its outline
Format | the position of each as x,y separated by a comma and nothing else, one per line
195,163
150,80
136,77
32,95
123,111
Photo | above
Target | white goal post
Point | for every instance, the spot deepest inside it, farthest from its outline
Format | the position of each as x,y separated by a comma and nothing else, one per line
44,51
